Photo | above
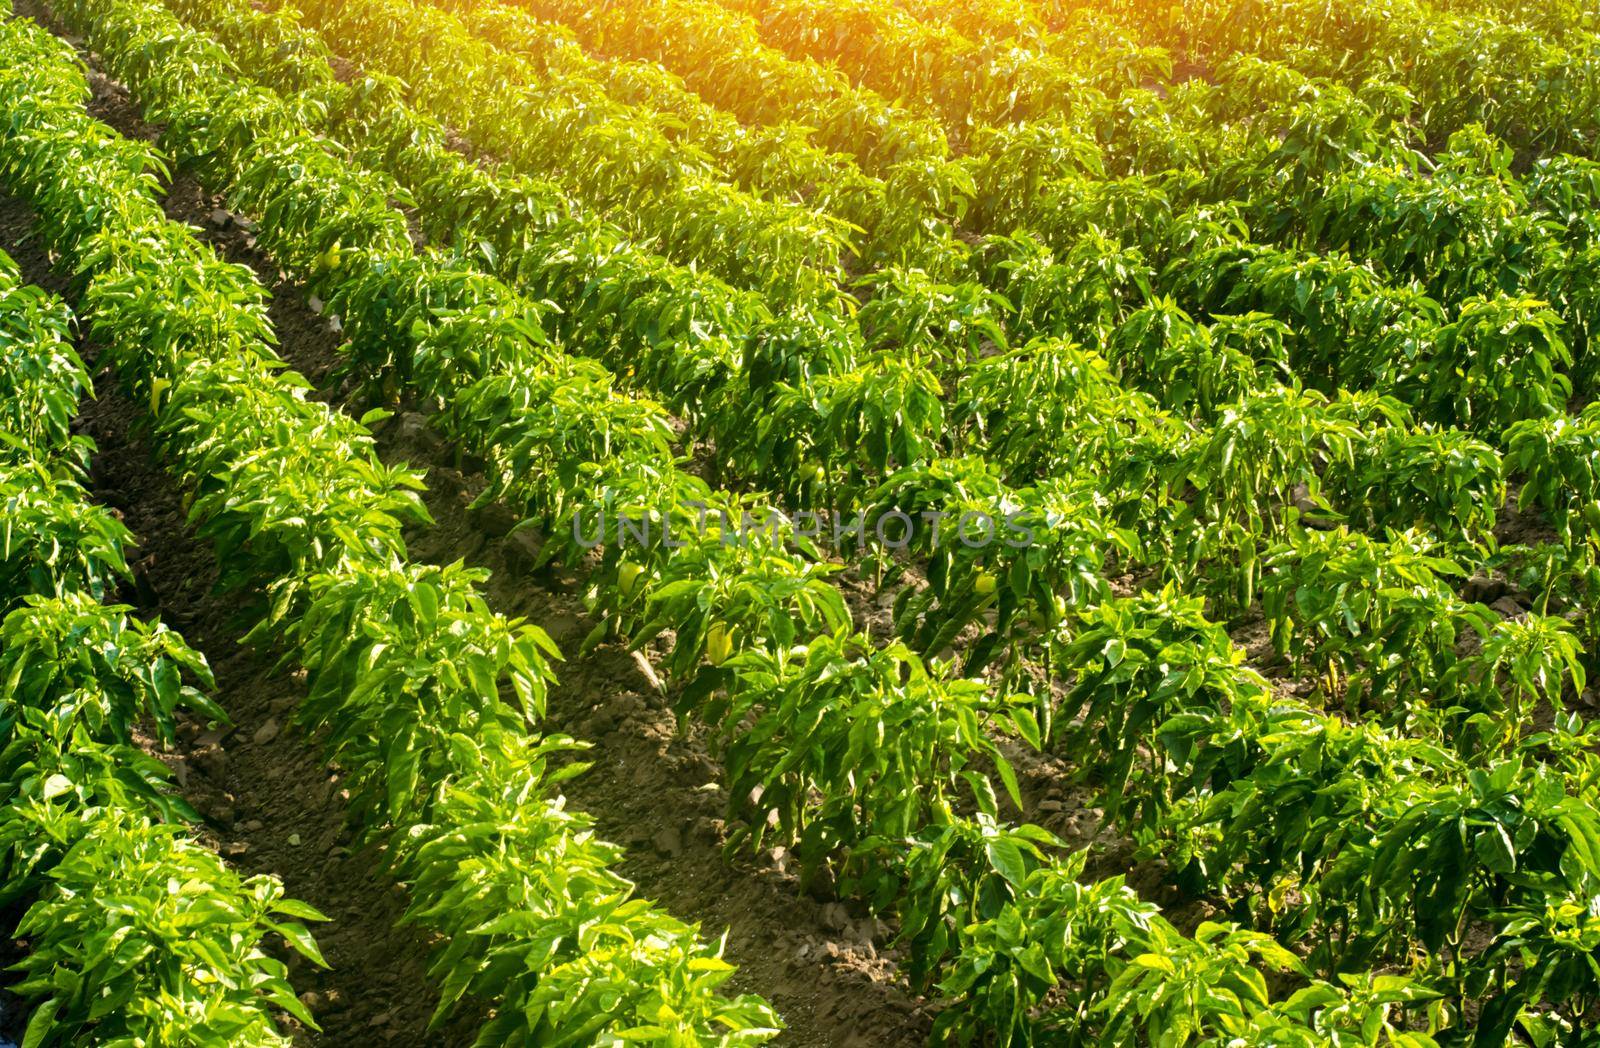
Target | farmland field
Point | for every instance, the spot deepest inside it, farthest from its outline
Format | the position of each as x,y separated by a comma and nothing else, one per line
822,522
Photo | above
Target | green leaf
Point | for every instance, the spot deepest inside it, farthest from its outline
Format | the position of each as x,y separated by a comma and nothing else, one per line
300,940
41,1024
1027,726
296,908
1494,849
1006,859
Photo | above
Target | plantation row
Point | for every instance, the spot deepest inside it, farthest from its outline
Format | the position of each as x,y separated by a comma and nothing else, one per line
136,930
292,493
1365,369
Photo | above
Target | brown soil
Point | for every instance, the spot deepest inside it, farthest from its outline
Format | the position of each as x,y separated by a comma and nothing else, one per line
271,803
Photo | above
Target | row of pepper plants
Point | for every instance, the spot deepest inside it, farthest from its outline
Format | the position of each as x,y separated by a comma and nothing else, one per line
902,218
909,225
1323,179
970,82
564,125
134,931
406,665
1480,274
720,55
1465,66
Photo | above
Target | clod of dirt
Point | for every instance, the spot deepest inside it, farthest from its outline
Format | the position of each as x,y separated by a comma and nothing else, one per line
1483,589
